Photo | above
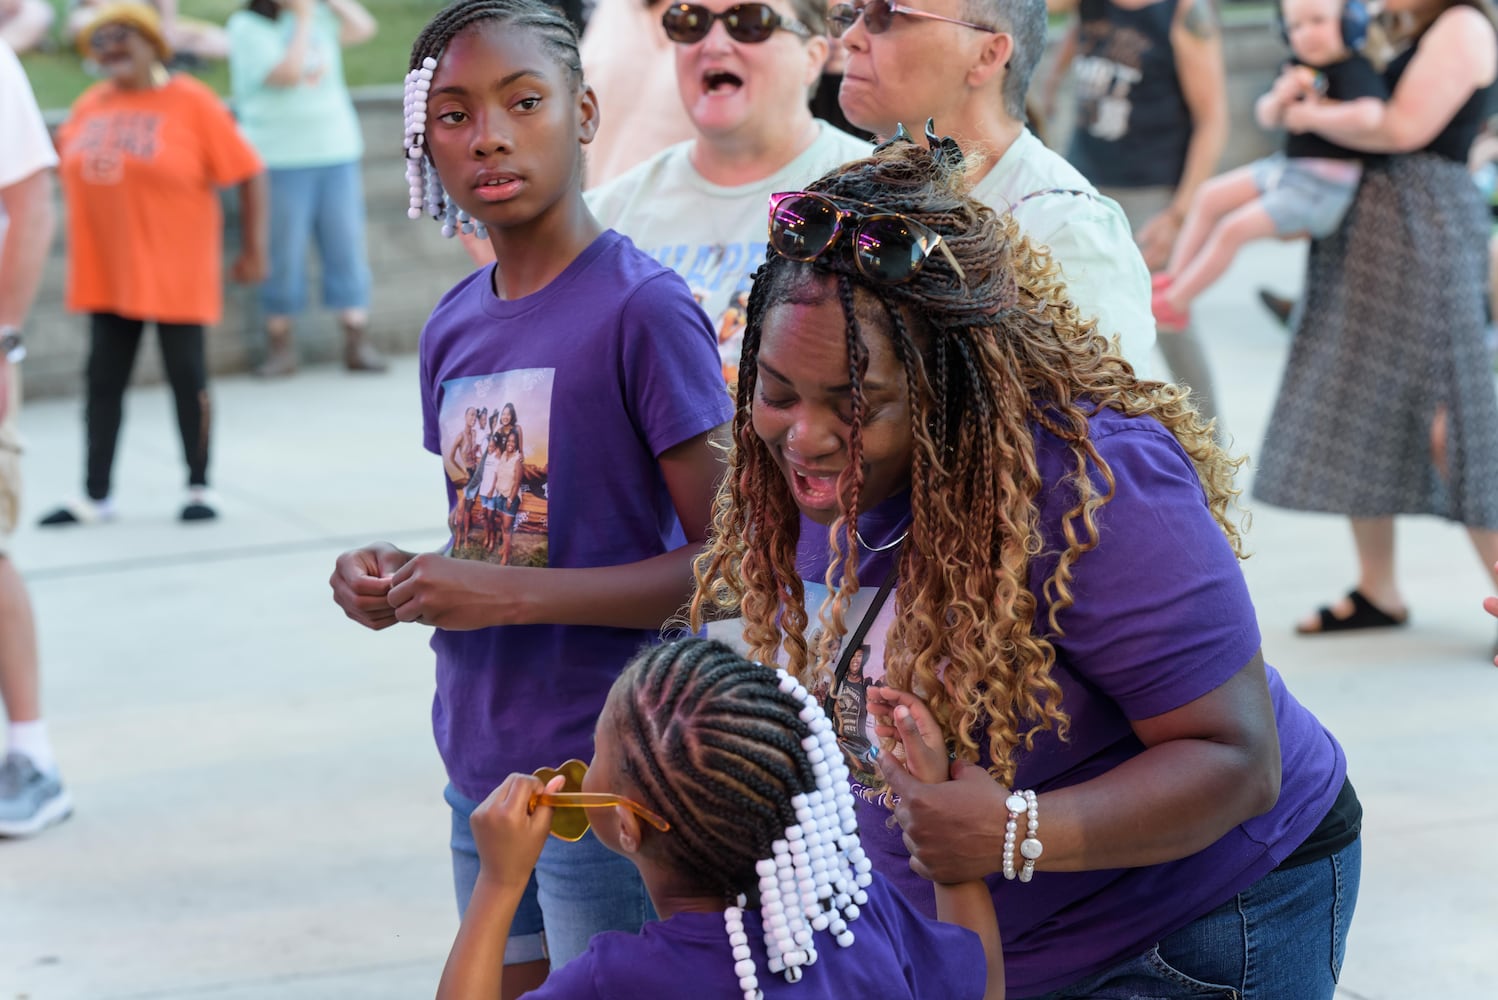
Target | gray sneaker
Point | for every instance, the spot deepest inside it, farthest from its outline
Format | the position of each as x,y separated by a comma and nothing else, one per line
30,801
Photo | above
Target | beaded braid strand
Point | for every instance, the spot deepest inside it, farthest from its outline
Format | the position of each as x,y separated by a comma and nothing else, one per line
424,186
815,878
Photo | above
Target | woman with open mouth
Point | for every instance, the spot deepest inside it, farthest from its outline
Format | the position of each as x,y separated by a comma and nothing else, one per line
744,72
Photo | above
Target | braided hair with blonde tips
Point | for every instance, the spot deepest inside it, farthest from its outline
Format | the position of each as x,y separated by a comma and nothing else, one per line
990,353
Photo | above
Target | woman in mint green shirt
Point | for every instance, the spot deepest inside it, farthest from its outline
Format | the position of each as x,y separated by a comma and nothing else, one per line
286,69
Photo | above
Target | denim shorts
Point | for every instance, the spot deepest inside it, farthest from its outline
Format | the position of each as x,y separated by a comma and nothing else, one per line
1283,937
1300,199
576,891
502,505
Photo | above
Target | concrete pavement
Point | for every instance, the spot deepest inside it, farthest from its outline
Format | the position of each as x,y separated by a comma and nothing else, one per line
258,800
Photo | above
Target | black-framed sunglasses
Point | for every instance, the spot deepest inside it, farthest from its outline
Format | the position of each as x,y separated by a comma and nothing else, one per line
887,247
750,23
879,14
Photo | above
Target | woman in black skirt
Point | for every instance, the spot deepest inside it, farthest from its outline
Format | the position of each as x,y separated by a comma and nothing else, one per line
1387,405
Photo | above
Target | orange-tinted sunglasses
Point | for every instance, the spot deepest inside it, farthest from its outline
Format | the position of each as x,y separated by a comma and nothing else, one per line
570,820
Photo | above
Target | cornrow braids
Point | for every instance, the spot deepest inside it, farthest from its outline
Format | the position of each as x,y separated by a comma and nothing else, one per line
742,761
425,187
989,352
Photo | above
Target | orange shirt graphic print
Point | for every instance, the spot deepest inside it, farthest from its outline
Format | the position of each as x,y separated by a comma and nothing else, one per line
104,143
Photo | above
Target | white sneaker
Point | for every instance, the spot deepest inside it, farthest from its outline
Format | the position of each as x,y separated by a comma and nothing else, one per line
30,801
80,512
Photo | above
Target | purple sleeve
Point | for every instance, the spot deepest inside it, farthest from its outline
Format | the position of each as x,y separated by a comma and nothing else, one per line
673,382
941,961
1162,614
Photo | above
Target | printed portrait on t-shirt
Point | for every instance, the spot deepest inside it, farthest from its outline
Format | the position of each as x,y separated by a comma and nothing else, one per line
494,432
846,703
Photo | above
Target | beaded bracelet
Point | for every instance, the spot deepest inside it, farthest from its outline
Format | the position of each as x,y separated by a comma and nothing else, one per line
1030,848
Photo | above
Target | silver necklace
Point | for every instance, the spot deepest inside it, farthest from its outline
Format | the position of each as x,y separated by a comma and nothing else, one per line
881,548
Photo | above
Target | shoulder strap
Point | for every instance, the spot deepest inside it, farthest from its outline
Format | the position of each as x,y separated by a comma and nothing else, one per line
856,637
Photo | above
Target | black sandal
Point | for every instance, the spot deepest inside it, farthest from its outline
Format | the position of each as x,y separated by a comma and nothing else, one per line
1365,615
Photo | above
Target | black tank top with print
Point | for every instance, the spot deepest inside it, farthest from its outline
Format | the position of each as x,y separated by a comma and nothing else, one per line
1133,125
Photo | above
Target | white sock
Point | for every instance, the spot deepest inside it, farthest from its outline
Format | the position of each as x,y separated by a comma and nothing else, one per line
30,738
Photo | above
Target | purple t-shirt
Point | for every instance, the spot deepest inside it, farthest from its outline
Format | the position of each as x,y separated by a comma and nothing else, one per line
589,379
1161,617
896,954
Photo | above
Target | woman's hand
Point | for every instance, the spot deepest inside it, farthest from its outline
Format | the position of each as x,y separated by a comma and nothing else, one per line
954,830
509,835
249,268
1157,237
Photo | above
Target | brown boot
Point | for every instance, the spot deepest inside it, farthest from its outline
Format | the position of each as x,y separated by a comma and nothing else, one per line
359,355
280,355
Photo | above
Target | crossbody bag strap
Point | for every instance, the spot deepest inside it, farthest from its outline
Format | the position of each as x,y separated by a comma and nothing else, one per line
856,637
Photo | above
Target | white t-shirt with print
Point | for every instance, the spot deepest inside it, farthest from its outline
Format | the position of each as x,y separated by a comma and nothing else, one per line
1088,234
713,236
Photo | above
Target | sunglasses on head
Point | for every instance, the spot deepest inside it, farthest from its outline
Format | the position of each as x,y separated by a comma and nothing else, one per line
887,247
570,820
879,14
751,23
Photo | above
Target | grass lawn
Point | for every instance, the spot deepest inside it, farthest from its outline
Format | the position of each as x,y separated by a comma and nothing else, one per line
58,76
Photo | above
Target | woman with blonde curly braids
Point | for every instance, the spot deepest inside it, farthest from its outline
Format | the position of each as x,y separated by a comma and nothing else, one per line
942,460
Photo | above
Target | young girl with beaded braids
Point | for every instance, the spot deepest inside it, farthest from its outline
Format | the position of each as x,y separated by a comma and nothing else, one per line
939,460
722,781
615,367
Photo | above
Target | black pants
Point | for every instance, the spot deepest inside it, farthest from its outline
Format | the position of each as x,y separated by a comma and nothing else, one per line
113,343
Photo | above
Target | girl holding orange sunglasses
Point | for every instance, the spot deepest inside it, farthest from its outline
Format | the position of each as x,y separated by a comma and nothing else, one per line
722,781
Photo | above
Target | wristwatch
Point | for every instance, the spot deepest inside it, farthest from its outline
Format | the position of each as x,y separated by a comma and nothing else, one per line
12,346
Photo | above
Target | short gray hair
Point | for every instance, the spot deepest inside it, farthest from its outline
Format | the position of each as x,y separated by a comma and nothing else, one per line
1025,22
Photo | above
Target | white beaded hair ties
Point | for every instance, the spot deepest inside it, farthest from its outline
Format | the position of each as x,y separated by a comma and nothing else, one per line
422,181
816,876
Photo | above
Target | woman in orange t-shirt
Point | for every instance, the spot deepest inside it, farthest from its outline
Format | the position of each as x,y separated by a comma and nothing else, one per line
143,156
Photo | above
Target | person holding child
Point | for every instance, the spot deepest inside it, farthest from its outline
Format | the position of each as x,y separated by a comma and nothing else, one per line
615,367
721,781
1387,404
936,457
1304,190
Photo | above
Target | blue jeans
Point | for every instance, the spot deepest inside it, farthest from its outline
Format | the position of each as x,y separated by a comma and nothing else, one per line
1284,936
326,205
576,891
